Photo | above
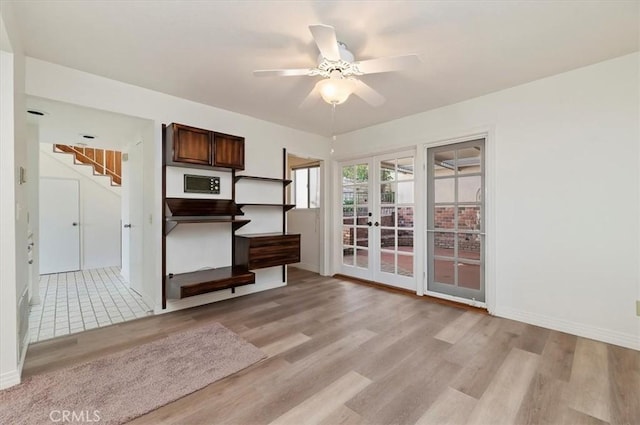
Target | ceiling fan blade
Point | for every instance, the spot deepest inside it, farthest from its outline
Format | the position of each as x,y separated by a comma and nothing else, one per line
325,38
311,99
391,63
369,95
281,72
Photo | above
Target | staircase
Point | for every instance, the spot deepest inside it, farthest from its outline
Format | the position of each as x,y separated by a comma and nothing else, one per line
104,162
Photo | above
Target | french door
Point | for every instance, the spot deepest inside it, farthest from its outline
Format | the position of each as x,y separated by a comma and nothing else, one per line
455,220
377,219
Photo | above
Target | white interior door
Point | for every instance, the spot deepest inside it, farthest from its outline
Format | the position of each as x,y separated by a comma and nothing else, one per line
59,225
377,219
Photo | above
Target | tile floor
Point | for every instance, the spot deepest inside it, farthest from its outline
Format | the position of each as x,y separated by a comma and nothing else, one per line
76,301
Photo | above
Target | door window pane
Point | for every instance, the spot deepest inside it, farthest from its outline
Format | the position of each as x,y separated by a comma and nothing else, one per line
362,258
387,171
468,160
347,235
348,174
444,164
469,275
469,246
361,194
405,216
362,173
362,237
405,192
444,217
347,255
388,239
469,189
405,240
443,244
387,193
444,190
362,215
469,218
444,271
405,265
387,216
388,262
405,168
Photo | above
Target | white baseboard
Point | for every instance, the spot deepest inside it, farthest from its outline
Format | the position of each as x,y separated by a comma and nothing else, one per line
306,266
9,379
579,329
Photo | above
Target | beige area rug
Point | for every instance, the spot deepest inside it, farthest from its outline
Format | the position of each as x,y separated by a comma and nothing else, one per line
124,385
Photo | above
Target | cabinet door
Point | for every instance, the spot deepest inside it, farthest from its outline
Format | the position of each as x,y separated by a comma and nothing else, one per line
229,151
191,145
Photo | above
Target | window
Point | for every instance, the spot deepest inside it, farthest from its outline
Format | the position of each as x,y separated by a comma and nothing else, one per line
306,187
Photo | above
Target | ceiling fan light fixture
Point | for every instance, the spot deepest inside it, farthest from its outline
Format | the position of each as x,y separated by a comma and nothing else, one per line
335,91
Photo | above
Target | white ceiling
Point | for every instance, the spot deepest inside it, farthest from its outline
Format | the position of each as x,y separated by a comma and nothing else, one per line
65,124
206,50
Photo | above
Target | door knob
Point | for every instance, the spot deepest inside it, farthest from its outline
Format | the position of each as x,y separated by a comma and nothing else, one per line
74,224
376,224
369,223
127,226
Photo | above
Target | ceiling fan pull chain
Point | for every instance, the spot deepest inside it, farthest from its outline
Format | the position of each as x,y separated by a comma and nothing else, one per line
333,121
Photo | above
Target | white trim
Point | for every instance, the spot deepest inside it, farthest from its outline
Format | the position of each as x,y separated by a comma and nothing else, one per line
574,328
458,300
9,379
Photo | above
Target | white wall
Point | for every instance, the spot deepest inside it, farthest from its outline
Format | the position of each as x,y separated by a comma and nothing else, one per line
99,212
563,166
14,208
307,223
264,143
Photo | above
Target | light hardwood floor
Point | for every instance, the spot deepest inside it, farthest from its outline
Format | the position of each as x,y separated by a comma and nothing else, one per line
344,353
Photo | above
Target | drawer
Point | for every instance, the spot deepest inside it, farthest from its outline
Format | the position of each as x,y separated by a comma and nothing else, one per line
275,241
260,251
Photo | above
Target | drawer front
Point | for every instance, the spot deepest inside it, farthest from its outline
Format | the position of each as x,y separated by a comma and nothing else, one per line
274,251
291,241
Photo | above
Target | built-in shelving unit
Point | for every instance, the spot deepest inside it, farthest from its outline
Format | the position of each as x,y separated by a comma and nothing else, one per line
191,147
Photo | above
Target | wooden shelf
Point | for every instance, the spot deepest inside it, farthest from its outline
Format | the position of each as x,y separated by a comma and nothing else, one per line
204,281
173,221
264,179
286,207
201,207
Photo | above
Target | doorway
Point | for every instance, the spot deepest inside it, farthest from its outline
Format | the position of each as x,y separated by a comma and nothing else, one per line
456,220
88,147
378,205
306,218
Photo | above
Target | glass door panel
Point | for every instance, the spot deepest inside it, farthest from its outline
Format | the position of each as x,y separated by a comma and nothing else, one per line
394,226
356,219
455,220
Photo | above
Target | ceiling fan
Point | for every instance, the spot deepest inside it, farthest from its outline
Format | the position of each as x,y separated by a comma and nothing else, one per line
339,70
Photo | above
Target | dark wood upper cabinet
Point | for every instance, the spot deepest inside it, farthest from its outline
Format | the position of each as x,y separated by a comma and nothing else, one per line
189,145
228,151
198,148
